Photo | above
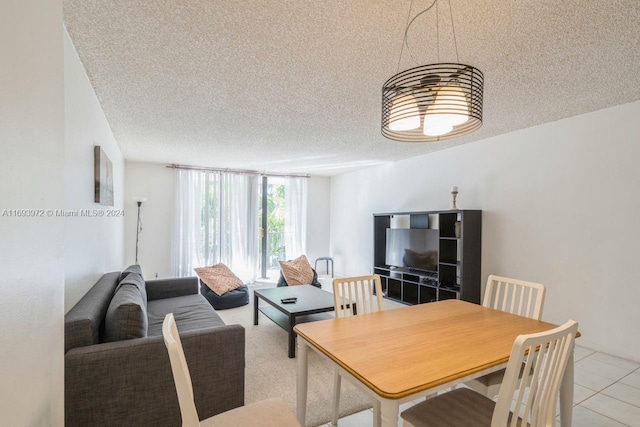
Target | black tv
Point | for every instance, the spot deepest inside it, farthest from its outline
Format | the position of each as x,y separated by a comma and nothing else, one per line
412,248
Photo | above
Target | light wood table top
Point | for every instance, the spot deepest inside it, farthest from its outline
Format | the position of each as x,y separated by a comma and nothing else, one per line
403,351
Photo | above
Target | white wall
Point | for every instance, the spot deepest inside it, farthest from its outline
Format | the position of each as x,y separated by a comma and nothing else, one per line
94,245
318,212
31,248
559,204
157,184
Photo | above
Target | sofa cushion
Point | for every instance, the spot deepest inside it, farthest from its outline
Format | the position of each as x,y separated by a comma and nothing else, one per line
127,314
190,311
135,268
297,272
134,279
219,278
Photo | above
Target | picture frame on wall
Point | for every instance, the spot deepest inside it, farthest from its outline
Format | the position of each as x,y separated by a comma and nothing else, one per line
103,174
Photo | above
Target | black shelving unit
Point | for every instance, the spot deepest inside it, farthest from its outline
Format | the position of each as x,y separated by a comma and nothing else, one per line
459,258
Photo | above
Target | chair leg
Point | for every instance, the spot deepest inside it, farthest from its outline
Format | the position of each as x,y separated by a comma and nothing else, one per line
336,398
377,419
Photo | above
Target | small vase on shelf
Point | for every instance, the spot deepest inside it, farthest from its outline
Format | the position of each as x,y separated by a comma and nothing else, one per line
454,193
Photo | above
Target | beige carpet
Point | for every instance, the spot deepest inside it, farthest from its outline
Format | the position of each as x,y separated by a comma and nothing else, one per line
270,373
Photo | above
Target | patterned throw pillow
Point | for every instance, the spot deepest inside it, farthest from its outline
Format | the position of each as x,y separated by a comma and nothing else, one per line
297,272
219,278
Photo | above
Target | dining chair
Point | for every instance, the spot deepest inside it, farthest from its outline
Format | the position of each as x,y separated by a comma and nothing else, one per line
269,412
355,295
516,297
534,396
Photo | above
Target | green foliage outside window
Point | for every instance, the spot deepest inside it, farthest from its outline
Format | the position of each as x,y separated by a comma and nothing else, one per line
275,224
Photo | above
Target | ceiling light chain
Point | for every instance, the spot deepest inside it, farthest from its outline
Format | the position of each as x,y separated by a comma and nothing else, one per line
438,31
406,31
404,40
453,29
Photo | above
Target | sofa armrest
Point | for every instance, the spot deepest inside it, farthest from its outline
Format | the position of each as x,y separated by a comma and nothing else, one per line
170,288
131,383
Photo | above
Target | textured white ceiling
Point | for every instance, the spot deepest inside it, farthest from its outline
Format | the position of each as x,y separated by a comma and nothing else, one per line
295,86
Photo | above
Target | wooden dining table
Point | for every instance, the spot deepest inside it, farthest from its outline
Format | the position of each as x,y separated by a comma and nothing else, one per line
399,355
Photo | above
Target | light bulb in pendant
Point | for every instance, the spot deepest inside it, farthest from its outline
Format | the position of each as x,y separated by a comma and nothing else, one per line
449,108
435,128
404,114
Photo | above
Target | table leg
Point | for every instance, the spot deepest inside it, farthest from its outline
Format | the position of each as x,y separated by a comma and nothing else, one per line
255,309
566,394
389,412
301,382
292,337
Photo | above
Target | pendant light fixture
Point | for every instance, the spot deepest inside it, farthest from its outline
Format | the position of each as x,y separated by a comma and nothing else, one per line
432,102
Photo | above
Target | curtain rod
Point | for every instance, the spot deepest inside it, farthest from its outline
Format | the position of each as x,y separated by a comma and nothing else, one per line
238,171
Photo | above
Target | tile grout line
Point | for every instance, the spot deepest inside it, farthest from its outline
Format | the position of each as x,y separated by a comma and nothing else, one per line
603,415
611,364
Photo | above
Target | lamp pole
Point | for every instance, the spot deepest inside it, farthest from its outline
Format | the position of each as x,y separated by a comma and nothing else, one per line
138,223
138,230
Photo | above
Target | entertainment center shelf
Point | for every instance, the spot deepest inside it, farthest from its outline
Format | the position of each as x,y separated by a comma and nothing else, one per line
428,256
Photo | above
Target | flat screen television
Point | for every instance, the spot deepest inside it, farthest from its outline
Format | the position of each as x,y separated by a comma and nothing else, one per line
413,248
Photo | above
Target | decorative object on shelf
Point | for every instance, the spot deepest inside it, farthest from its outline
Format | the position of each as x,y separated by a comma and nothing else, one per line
457,229
454,193
139,201
445,98
103,177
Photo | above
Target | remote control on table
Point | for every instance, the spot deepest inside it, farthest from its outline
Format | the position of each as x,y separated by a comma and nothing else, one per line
291,300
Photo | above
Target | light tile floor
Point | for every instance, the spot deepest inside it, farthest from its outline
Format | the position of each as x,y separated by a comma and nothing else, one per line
607,393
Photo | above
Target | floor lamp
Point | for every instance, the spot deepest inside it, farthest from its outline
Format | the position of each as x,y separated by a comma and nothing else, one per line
139,201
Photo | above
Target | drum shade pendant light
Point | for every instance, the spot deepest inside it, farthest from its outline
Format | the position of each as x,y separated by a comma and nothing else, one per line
432,102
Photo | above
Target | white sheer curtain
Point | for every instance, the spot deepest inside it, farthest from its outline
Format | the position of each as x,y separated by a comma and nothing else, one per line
188,240
295,218
216,220
239,225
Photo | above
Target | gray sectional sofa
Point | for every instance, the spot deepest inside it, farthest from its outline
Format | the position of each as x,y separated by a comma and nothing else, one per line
117,370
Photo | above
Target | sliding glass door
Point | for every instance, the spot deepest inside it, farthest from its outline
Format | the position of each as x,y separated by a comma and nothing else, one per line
272,220
247,221
216,221
283,222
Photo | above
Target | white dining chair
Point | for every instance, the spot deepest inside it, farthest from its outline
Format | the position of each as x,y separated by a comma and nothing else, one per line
516,297
534,396
269,412
355,295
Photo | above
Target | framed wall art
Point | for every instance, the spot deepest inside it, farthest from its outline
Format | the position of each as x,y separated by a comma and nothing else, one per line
103,174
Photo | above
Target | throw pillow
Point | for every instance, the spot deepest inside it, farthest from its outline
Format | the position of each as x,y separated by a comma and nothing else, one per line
127,315
134,279
297,272
219,278
135,268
